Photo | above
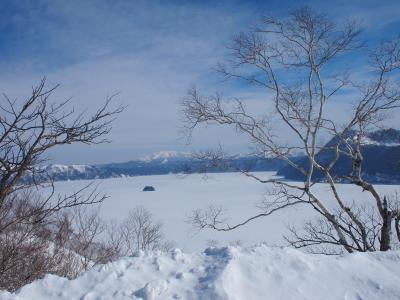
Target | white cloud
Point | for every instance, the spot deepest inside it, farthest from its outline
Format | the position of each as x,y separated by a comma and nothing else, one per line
151,51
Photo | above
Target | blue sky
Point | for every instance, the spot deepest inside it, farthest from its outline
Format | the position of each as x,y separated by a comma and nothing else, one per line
150,51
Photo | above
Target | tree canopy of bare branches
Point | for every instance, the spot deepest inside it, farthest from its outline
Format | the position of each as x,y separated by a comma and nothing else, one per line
296,61
31,127
28,130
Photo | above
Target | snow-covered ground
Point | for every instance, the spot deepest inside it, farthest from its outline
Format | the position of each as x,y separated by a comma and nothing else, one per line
176,196
233,273
261,272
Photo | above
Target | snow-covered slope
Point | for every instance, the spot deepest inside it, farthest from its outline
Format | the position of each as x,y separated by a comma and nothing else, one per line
381,158
165,155
386,137
160,163
257,272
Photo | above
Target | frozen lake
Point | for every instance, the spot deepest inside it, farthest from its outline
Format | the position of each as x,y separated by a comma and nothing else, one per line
176,197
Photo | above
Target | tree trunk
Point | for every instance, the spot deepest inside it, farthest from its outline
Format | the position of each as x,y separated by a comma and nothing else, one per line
397,226
386,230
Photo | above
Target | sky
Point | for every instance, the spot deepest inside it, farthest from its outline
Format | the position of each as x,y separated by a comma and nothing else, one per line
150,52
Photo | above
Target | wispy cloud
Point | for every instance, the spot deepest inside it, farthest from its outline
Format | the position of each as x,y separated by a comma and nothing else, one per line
151,51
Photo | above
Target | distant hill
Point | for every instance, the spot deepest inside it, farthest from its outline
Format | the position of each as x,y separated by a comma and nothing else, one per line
164,162
381,152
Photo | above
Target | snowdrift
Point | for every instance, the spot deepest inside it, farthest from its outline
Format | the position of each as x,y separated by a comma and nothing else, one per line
257,272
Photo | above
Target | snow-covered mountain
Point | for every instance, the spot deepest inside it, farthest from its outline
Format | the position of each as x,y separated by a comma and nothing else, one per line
165,156
381,153
159,163
385,137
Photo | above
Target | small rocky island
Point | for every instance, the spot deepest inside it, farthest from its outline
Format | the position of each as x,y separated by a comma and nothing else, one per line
148,188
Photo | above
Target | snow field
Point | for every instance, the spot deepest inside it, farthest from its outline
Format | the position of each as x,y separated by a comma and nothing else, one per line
261,272
177,196
234,273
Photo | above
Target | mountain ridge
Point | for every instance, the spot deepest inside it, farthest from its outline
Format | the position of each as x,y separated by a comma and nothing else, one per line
381,151
160,163
381,159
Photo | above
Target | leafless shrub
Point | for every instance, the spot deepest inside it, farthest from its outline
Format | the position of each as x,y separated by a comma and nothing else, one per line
34,247
88,227
141,233
69,242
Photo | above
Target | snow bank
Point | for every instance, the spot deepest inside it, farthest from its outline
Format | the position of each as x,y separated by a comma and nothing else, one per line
257,272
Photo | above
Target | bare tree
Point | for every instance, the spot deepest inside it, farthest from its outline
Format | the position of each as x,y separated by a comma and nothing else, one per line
141,233
88,227
88,239
294,59
30,235
29,129
95,241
